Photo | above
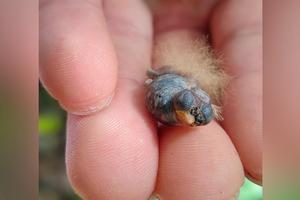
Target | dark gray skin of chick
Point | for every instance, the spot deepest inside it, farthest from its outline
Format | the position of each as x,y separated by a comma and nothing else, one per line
169,94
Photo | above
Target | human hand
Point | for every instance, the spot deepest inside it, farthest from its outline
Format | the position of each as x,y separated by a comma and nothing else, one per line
92,49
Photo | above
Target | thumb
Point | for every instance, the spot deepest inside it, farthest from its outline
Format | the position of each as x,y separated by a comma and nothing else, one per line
77,61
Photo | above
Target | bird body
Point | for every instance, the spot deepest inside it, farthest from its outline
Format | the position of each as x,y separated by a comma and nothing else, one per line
176,100
189,84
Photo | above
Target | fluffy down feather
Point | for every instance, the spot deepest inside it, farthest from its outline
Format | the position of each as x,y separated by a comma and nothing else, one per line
192,58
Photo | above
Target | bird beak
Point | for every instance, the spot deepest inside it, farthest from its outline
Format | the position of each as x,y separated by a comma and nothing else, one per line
185,117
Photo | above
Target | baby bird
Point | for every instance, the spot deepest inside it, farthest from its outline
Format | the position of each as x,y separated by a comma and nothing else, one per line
177,100
190,83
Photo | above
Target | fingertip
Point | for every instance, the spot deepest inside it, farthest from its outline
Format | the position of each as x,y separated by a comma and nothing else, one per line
199,163
243,123
78,65
81,76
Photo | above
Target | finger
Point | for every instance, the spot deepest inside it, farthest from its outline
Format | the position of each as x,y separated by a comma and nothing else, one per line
197,163
191,14
113,154
130,26
77,60
236,32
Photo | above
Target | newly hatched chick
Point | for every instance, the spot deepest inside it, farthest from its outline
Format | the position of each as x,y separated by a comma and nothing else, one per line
174,100
188,86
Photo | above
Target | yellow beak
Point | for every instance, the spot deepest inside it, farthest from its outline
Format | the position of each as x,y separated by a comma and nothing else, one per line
185,117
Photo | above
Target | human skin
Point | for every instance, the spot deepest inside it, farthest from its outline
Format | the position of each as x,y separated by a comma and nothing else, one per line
94,51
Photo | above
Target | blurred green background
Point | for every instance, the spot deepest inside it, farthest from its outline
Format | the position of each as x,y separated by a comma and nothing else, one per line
53,181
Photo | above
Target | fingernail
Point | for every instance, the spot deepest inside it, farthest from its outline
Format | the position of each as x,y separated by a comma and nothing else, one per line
88,108
253,178
105,102
154,197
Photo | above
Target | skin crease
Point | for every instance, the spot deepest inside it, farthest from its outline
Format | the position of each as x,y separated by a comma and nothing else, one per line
113,152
